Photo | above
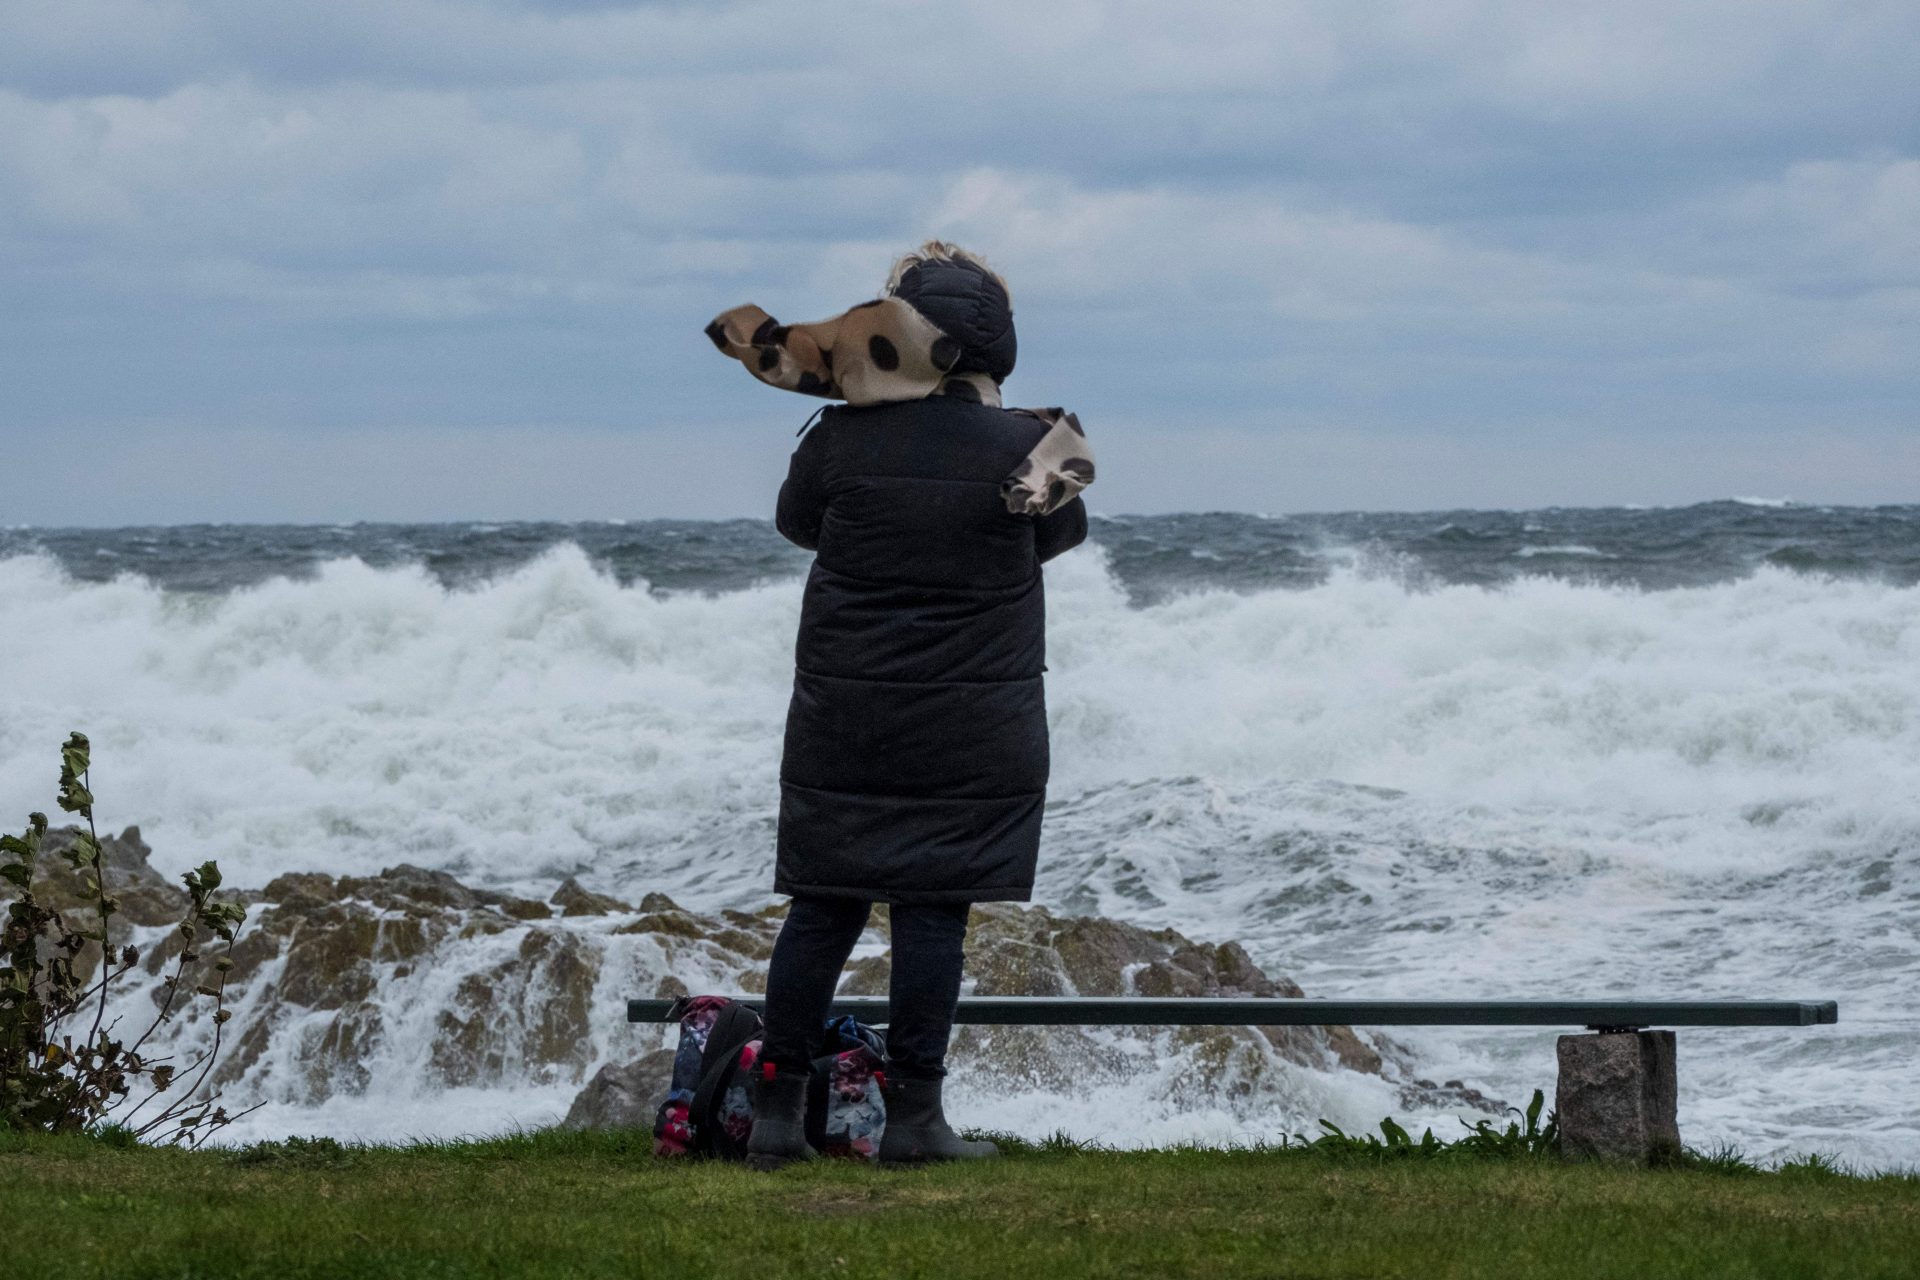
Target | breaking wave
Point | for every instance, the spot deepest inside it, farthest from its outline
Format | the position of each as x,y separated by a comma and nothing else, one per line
1379,786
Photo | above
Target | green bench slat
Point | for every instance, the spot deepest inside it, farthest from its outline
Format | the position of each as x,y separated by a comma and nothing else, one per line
1208,1011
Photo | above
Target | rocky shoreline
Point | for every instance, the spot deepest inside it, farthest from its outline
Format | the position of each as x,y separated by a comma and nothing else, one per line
412,979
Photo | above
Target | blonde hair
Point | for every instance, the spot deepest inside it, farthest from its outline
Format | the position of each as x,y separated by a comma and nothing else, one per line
941,251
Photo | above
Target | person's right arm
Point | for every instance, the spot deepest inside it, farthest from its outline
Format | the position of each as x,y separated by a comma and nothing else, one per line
803,498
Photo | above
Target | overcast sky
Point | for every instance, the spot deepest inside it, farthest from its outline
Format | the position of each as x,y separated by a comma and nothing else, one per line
411,259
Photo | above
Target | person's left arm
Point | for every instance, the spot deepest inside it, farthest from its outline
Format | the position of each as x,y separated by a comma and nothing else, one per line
1059,531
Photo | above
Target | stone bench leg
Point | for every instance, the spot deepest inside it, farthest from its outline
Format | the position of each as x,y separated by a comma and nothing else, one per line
1618,1097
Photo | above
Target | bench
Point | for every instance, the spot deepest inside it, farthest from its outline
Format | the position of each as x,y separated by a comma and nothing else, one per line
1616,1096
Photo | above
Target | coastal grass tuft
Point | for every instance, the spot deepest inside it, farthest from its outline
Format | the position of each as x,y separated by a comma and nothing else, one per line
552,1203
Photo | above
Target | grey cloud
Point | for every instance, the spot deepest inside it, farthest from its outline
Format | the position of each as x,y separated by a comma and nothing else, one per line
1485,221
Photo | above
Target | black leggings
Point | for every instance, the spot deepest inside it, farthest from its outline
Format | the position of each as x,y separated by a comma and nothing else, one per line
812,949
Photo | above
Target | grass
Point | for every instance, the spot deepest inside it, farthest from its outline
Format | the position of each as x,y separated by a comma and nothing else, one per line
555,1203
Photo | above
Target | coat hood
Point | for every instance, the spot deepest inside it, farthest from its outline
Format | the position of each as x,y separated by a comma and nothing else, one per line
969,307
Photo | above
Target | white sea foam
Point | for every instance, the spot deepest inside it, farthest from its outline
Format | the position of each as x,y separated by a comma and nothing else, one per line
1545,788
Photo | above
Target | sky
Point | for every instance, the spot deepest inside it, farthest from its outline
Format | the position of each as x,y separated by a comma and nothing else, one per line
422,260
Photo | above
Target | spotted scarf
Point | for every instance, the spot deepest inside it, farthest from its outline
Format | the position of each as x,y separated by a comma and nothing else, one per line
885,351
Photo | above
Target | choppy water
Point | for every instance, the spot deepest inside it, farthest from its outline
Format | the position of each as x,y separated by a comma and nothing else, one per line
1664,753
1154,557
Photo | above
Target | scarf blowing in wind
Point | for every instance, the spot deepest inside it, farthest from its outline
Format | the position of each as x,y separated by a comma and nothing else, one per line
945,327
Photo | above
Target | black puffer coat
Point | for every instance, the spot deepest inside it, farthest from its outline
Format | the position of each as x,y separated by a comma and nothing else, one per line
916,752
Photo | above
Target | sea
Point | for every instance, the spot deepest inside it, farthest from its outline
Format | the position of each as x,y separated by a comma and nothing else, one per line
1663,752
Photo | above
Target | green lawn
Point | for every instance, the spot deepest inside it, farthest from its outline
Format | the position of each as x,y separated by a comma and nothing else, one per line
568,1204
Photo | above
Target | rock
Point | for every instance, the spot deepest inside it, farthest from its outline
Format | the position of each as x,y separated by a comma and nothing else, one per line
408,886
336,981
1010,953
329,946
531,1011
753,945
300,889
146,897
866,977
1618,1097
1350,1051
1028,951
1426,1095
1016,968
242,1053
623,1096
336,1060
402,938
676,923
1096,956
329,953
574,899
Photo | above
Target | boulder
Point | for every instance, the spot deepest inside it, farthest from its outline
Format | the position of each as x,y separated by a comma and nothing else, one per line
146,897
623,1096
318,956
528,1016
410,888
866,977
329,953
407,887
411,972
300,889
574,899
1029,951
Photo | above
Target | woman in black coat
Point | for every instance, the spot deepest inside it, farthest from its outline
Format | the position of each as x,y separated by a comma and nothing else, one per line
915,767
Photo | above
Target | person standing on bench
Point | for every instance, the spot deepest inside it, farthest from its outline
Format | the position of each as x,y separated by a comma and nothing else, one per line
915,764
